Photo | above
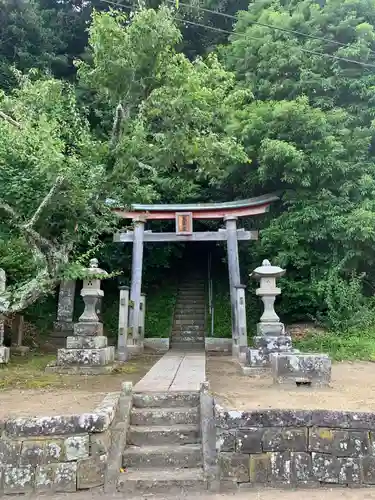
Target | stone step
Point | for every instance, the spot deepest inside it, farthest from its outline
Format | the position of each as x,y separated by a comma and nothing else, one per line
158,435
188,328
191,321
164,416
198,338
199,311
188,455
153,481
165,399
188,346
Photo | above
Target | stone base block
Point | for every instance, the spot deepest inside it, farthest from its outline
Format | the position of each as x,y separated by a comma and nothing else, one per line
86,342
88,329
62,328
270,343
157,344
134,349
292,368
222,346
4,354
273,329
20,350
86,357
256,358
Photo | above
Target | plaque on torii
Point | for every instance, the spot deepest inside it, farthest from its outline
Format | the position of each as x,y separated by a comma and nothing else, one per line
184,215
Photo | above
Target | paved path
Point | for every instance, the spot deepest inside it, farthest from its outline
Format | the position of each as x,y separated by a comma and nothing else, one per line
175,371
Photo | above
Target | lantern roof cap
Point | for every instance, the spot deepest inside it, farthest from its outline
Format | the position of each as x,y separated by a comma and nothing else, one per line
94,268
267,270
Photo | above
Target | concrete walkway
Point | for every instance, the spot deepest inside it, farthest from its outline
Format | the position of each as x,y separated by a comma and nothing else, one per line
175,371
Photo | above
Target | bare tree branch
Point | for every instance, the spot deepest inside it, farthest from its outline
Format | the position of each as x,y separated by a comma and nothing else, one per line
10,120
9,210
44,203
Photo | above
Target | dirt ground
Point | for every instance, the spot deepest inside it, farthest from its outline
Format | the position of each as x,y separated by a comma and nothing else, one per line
26,390
352,388
252,494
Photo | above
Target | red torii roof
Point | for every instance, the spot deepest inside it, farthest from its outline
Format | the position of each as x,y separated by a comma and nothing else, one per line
239,208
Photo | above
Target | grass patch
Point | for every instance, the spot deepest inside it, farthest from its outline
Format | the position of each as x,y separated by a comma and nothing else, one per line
28,373
351,345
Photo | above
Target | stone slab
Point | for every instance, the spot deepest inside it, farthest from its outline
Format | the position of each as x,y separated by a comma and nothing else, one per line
81,370
175,371
270,328
87,329
85,357
272,343
289,368
97,421
86,342
157,344
213,345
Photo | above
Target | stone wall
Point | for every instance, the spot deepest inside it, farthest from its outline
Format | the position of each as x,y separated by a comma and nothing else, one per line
57,454
295,448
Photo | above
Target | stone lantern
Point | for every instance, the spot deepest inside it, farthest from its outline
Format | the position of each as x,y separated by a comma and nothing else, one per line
87,351
270,336
268,291
91,292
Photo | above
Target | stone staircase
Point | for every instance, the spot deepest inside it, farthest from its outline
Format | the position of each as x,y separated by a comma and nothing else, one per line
188,329
164,451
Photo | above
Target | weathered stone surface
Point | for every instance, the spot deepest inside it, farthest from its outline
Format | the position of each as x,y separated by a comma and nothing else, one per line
86,357
90,472
9,452
285,439
157,344
86,342
65,306
100,443
4,354
249,440
339,442
291,368
61,425
273,329
301,467
271,343
256,358
18,479
261,418
271,468
259,466
226,441
165,399
218,345
76,447
330,469
54,451
343,419
368,468
164,416
234,466
65,477
88,329
280,468
32,453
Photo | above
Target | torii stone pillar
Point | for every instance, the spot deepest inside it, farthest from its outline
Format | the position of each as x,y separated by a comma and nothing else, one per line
136,281
234,276
123,317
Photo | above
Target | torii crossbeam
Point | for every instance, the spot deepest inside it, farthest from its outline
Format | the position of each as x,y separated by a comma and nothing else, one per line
184,216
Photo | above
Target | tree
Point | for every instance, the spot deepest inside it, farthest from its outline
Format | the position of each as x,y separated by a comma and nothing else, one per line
50,189
309,134
168,134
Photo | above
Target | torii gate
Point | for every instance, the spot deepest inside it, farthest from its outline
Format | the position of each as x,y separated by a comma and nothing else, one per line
184,215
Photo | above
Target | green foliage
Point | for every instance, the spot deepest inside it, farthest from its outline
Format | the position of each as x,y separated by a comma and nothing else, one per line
160,304
355,344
